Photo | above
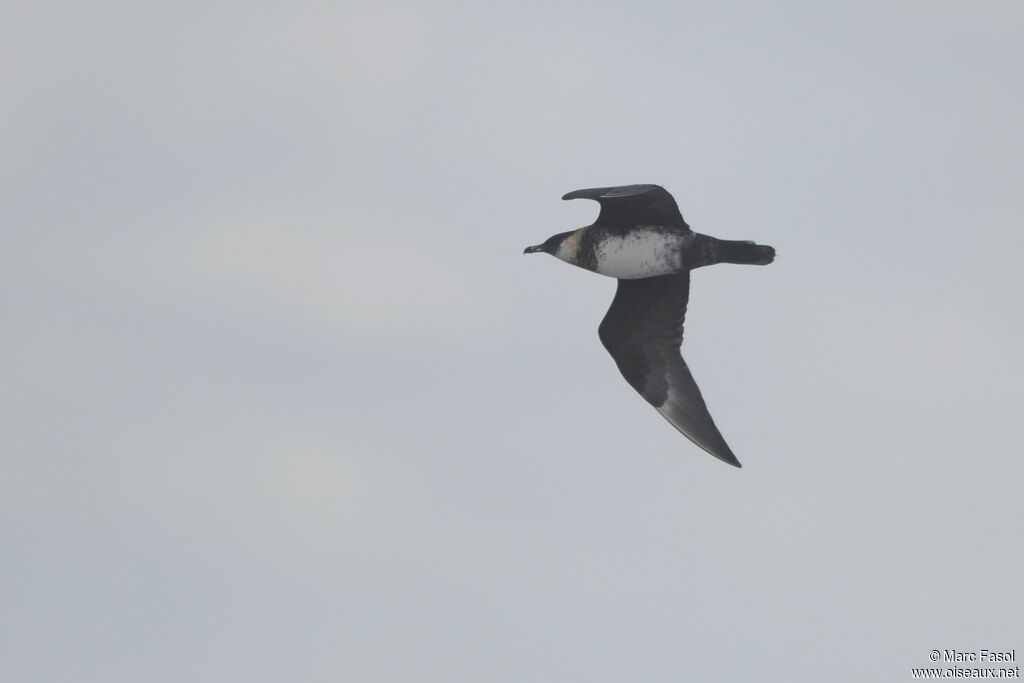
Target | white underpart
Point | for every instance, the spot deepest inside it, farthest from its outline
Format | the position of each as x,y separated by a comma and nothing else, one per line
642,253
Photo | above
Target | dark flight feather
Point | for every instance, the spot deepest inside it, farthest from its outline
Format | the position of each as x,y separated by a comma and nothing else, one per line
626,206
642,331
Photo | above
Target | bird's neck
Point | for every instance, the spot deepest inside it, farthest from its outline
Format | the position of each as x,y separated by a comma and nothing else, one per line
569,249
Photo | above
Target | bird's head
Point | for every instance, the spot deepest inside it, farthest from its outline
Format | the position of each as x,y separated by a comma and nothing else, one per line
550,245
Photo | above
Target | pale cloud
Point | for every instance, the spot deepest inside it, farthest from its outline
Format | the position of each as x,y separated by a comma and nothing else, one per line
357,279
315,62
280,488
922,351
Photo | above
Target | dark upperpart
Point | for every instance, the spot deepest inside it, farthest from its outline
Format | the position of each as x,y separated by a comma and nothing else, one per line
744,253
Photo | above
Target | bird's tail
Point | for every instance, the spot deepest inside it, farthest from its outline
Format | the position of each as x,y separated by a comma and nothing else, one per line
746,253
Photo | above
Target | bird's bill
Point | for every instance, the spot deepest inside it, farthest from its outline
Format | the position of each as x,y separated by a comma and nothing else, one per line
534,249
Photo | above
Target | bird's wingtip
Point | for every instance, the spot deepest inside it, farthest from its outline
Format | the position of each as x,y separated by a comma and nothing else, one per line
728,459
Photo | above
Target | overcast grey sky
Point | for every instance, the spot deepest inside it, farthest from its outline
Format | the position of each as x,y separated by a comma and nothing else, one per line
283,401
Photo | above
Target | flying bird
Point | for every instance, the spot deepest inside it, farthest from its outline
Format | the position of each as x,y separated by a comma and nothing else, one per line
641,239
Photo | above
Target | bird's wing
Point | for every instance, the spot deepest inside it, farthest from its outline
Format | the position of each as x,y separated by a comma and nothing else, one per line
642,331
628,205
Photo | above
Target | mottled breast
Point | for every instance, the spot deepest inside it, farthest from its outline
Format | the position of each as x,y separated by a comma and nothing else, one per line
643,252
